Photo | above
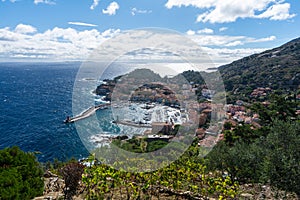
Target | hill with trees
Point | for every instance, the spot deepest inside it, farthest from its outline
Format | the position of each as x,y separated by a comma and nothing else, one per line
277,69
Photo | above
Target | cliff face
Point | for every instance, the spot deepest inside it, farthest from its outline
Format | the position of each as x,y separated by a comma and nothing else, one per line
106,89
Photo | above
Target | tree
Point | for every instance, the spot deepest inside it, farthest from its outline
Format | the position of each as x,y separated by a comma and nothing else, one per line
20,175
227,126
242,161
279,108
282,162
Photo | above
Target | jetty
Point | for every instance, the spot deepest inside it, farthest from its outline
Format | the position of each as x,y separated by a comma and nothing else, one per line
129,123
90,111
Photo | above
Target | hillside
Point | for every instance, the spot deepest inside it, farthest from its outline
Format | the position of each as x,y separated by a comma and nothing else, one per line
278,68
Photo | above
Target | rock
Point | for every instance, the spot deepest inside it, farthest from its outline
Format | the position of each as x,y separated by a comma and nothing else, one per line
246,195
122,137
49,174
264,187
50,196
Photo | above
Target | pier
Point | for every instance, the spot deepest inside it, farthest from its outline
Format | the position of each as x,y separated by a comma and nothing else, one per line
87,113
129,123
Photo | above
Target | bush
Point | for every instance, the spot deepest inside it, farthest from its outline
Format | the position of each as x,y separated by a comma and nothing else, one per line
72,175
273,159
20,175
281,166
183,179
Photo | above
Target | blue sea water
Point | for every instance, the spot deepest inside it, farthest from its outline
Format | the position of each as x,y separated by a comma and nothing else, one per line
34,101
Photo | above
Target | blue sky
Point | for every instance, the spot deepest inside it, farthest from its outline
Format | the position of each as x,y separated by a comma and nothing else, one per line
57,30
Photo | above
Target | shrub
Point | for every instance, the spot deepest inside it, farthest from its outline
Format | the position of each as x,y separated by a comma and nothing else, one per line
20,175
72,175
281,166
272,159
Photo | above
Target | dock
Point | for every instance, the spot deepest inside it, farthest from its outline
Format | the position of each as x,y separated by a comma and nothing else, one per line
87,113
129,123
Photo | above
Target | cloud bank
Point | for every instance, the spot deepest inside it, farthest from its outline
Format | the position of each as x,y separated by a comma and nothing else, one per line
24,42
55,44
225,11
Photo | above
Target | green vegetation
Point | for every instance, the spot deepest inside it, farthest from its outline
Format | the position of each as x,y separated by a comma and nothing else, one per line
282,162
273,159
139,145
71,174
280,108
268,155
277,68
184,178
20,175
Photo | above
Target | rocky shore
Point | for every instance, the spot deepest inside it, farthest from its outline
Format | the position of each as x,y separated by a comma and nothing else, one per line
152,92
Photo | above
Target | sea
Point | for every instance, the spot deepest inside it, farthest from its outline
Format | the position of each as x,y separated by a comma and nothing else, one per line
35,98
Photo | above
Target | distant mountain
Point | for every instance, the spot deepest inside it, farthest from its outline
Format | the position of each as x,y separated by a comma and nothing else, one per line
278,68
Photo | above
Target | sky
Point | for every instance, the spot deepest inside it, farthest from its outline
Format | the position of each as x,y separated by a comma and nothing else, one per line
65,30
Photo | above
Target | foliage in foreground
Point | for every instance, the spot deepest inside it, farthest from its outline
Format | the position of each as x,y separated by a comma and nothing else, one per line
71,174
273,159
185,178
20,175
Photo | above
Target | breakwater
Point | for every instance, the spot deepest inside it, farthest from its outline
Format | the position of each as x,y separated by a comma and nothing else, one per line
87,113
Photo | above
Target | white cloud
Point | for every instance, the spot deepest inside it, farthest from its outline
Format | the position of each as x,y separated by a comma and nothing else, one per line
205,31
224,40
110,32
53,44
190,32
223,29
277,12
95,4
221,11
135,11
201,31
195,3
13,1
234,43
111,9
59,44
267,39
23,28
82,24
44,1
222,56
